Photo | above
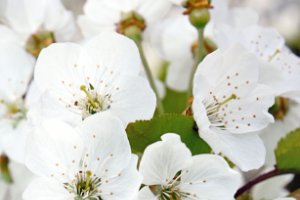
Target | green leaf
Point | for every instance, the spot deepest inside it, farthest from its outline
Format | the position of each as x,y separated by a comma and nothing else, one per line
288,152
143,133
175,102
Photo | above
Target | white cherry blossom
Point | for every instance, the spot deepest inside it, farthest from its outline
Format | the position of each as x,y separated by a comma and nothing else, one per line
92,161
44,15
179,54
230,105
16,68
171,172
280,68
99,76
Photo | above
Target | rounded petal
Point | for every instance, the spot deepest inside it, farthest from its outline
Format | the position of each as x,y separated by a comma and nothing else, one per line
54,150
134,99
107,144
115,52
247,151
46,189
162,160
125,185
16,68
209,177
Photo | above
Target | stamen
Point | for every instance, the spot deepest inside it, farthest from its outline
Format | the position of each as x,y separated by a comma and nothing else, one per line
233,96
88,95
271,57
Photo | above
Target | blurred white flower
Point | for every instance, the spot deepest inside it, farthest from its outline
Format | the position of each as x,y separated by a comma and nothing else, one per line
93,161
101,75
16,67
102,15
175,45
280,69
171,172
229,105
29,17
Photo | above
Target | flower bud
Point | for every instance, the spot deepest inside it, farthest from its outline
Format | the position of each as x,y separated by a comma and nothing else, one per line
199,17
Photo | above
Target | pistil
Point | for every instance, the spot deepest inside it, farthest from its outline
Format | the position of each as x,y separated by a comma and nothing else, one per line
89,96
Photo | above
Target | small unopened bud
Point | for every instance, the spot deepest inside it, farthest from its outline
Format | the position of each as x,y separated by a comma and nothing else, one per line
199,17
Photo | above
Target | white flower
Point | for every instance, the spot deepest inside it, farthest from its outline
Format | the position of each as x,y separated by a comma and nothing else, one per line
16,67
91,162
102,15
169,170
280,69
229,105
175,46
100,76
28,17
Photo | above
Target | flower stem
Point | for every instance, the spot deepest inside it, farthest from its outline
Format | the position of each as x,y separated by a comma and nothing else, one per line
261,178
199,55
160,107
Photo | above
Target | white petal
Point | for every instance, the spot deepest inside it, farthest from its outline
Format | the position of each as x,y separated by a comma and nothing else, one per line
108,150
209,177
56,68
134,99
152,11
17,16
125,185
146,194
59,20
14,142
54,150
115,52
247,151
49,107
46,189
162,160
16,70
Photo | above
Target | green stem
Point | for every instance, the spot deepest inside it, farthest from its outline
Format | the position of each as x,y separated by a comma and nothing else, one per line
160,107
199,55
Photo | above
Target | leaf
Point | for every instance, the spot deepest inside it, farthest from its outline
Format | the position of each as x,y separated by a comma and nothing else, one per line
288,152
175,102
143,133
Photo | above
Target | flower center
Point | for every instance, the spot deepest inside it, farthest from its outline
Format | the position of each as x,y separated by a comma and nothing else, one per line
38,41
93,103
170,191
129,20
84,186
15,111
280,108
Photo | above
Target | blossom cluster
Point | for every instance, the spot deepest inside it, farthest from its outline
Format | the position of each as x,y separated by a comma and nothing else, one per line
78,92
